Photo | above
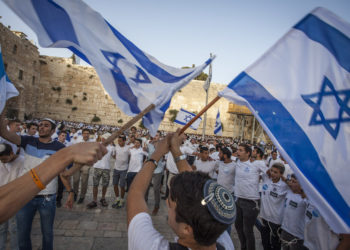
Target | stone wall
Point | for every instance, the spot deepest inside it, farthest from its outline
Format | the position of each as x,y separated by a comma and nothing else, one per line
55,87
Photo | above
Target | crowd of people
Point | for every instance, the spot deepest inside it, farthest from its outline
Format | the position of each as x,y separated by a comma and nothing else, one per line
258,183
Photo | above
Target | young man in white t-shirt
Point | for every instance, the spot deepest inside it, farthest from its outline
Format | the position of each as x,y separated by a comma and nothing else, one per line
247,193
10,166
102,171
293,223
204,164
120,170
273,194
194,210
136,159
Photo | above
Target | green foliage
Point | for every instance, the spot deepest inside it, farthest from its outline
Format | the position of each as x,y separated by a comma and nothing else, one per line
202,76
84,98
69,101
173,113
141,125
120,121
95,119
74,108
74,96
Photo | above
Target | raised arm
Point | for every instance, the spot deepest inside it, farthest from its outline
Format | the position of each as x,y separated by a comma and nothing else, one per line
5,133
175,142
16,194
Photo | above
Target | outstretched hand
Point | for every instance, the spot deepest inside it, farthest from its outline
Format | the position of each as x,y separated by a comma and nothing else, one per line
87,153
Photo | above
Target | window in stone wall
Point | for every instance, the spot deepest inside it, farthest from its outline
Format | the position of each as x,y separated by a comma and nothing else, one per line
20,74
14,50
33,80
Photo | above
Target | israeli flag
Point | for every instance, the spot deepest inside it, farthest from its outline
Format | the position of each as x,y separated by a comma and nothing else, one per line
133,79
299,91
183,117
7,89
218,125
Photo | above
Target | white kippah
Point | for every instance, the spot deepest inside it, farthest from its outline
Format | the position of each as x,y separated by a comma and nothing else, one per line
2,148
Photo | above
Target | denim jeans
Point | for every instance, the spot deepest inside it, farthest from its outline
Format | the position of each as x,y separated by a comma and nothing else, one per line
47,209
10,227
129,178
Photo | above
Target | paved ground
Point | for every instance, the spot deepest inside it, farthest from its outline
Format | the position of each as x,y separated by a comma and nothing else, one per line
102,227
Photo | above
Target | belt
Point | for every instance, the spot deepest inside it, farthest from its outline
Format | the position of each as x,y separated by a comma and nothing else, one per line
43,195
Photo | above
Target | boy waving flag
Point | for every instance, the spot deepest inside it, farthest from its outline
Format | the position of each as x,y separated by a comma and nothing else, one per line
299,91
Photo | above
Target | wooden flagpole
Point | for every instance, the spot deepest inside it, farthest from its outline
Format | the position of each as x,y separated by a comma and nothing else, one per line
199,114
115,135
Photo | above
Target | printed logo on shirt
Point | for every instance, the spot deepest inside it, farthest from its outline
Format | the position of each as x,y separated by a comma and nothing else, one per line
309,214
273,194
293,204
315,213
265,187
246,170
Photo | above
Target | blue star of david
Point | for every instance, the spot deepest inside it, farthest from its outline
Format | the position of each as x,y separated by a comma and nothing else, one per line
188,118
342,98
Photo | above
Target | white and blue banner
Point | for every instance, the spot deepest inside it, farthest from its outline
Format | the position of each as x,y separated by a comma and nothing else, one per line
183,117
131,77
218,125
299,91
7,89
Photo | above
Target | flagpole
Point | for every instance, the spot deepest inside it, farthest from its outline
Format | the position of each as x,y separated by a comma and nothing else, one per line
253,130
199,114
115,135
206,87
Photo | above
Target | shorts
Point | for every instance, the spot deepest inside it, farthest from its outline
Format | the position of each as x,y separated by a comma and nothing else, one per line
119,176
98,173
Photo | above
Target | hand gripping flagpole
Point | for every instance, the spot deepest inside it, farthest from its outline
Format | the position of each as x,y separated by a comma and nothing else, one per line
199,114
115,135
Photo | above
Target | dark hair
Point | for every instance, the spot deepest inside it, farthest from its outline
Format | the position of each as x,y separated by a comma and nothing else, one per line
226,152
31,124
85,129
274,151
247,148
122,137
201,149
186,189
62,131
140,141
7,150
279,166
218,146
259,151
13,121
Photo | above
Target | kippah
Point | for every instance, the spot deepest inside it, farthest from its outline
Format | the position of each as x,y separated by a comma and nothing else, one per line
49,120
220,202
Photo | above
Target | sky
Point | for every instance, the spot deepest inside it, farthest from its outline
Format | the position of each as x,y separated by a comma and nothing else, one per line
185,32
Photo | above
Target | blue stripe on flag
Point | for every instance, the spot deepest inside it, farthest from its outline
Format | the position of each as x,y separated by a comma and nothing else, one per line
217,130
145,62
55,21
293,140
331,38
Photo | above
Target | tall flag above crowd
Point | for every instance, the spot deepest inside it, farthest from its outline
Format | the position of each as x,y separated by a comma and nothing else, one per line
299,91
7,89
184,116
218,125
131,77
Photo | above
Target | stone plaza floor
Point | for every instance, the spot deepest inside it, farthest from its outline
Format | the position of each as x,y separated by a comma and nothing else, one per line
103,227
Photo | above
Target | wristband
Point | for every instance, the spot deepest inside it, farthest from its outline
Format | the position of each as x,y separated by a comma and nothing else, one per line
153,160
180,158
36,179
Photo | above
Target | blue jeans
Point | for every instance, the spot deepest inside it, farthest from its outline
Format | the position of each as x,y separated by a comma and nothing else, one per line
47,209
129,178
10,227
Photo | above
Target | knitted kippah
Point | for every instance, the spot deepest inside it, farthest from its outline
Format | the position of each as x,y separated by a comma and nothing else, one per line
220,202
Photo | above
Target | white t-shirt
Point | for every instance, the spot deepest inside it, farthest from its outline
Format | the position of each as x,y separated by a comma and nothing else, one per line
226,175
317,233
142,235
215,156
121,157
273,196
272,161
206,167
170,162
294,215
11,170
136,159
287,171
247,179
104,162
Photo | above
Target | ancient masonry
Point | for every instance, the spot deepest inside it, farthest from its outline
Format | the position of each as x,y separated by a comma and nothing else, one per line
57,88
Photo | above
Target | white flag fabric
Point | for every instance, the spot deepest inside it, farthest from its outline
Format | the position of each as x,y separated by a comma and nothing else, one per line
132,78
7,89
208,81
218,125
183,117
299,91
